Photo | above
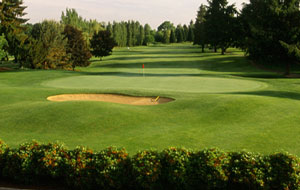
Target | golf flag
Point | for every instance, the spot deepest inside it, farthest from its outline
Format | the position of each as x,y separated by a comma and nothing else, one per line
143,66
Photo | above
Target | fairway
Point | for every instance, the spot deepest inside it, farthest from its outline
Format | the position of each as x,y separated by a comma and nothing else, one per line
220,101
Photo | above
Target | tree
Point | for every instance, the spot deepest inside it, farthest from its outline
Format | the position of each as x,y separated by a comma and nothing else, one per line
47,47
172,37
102,44
272,31
199,30
77,47
3,44
179,34
191,35
167,25
11,13
220,18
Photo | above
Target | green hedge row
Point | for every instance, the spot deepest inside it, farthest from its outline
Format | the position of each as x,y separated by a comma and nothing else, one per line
172,168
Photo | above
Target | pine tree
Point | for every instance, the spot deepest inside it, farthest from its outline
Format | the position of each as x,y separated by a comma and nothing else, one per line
77,47
179,34
191,35
220,18
199,28
172,37
11,13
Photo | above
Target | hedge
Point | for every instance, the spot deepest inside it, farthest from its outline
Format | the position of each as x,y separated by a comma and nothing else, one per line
174,168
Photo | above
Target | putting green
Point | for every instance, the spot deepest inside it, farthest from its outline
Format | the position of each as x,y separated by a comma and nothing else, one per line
178,84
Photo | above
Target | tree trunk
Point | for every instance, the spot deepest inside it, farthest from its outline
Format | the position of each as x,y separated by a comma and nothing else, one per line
215,49
202,48
100,58
223,51
288,68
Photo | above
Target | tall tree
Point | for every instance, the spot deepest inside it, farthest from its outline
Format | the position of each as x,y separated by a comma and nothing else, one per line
220,18
191,35
77,47
199,31
102,44
167,25
179,34
172,37
11,13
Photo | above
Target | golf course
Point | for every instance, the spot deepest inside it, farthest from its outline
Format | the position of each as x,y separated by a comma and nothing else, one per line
222,101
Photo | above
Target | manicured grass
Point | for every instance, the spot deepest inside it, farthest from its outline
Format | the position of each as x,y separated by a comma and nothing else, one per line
221,101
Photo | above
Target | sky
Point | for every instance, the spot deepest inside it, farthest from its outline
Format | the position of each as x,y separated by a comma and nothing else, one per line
153,12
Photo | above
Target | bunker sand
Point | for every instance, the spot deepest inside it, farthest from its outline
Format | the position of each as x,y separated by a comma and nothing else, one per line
113,98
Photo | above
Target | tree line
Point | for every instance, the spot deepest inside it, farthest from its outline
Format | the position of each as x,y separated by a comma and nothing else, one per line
268,31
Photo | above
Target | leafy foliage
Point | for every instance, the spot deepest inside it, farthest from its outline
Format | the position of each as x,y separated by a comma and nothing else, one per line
172,168
102,44
47,48
77,47
3,45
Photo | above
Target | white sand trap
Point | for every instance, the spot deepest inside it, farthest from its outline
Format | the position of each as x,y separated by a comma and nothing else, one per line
114,98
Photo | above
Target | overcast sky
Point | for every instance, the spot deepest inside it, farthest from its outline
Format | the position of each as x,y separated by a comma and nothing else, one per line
153,12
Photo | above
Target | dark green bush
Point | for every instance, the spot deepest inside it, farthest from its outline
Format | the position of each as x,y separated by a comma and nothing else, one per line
174,163
81,168
207,169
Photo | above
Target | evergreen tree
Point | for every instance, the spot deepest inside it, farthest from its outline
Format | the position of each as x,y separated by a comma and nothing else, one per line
102,44
47,49
185,32
11,13
272,31
199,28
77,47
129,34
220,18
179,34
191,35
172,37
141,36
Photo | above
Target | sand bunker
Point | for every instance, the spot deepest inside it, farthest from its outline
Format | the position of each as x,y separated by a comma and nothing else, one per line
114,98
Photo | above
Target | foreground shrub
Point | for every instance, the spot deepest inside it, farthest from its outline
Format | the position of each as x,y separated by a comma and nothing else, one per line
34,162
81,168
100,170
207,169
146,169
246,171
174,163
3,151
283,171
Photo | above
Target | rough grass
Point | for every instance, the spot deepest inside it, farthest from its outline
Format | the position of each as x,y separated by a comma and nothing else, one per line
221,101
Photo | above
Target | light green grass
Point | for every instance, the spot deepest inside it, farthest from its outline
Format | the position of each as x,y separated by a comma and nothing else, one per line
221,101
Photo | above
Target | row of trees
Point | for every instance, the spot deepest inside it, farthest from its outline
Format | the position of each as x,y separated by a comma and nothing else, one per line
168,33
269,30
51,44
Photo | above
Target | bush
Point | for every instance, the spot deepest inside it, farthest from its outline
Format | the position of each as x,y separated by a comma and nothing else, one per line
81,168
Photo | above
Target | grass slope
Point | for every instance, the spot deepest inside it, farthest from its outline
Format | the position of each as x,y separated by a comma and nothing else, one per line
221,101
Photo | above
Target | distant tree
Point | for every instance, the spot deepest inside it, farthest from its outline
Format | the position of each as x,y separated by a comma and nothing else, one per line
141,36
149,37
185,32
167,25
77,47
172,37
129,34
220,18
102,44
179,34
191,35
199,28
159,36
12,26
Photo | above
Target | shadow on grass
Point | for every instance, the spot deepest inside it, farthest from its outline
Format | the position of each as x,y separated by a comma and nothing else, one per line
275,94
129,74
